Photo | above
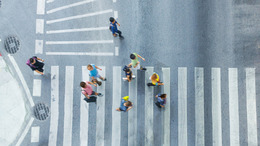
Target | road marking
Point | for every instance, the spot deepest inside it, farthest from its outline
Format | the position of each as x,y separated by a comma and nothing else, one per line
54,119
167,114
49,1
100,126
40,26
251,107
25,131
76,30
115,14
35,132
69,6
38,46
20,75
149,98
79,16
132,114
37,87
233,107
182,106
116,51
81,53
68,106
216,107
116,116
199,106
114,1
78,42
84,110
40,7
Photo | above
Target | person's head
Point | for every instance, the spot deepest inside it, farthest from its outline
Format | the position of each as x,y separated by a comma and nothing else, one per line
32,61
132,56
128,103
127,70
163,96
154,77
90,67
83,84
112,20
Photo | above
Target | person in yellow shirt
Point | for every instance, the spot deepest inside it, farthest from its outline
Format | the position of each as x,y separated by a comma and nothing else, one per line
155,80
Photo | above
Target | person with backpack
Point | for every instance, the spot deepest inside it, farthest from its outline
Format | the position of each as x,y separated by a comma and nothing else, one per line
90,95
35,64
126,105
113,27
155,80
161,100
128,73
93,72
135,62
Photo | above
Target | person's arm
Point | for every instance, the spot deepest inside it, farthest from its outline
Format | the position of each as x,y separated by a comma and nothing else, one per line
87,95
92,84
140,57
162,105
128,78
129,108
98,68
130,64
136,64
40,59
160,84
117,23
39,72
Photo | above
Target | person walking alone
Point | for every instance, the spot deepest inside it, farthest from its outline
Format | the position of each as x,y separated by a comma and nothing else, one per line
126,105
35,64
113,27
155,80
161,100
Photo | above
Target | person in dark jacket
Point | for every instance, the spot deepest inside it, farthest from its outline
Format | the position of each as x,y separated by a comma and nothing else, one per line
113,27
161,100
36,64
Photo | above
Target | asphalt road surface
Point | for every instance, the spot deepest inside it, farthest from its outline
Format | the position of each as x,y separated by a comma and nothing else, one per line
207,52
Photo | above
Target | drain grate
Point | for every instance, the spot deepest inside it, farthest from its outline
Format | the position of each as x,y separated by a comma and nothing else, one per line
41,111
12,44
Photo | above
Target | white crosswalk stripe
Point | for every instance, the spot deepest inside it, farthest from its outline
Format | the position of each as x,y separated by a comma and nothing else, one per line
100,128
149,134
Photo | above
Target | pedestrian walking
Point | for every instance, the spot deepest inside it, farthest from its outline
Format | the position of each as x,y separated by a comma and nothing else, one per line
90,95
93,72
126,105
113,27
135,61
128,73
155,80
161,100
36,64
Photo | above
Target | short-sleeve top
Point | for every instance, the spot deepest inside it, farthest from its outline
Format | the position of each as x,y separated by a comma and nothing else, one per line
122,107
88,90
93,72
160,100
157,80
135,61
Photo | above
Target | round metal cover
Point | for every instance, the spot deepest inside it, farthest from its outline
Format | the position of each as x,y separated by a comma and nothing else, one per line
41,111
12,44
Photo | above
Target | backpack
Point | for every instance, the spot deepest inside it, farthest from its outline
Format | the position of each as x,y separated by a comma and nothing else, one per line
125,67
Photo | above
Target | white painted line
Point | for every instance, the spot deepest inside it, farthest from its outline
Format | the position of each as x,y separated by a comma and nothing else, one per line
100,121
69,6
79,16
25,131
132,114
35,133
68,106
40,7
199,106
54,119
79,42
167,114
81,53
76,30
114,1
49,1
84,110
216,106
37,87
20,75
116,116
115,14
182,106
233,107
40,26
38,46
116,51
251,107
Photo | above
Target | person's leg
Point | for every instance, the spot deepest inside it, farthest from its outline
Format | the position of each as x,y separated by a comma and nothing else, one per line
119,33
102,78
143,68
118,109
150,84
95,93
158,104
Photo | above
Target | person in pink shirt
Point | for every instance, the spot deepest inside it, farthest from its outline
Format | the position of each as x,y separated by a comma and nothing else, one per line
88,91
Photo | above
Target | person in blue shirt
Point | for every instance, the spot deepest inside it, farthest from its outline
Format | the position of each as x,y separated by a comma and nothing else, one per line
161,100
93,72
125,105
113,27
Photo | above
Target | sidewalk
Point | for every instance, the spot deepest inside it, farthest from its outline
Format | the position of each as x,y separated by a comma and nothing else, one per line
12,106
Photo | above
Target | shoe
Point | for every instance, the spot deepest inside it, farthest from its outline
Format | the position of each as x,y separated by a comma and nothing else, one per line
124,79
100,95
121,37
143,68
104,79
133,76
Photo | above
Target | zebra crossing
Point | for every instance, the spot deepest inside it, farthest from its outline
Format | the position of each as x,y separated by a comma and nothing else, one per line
117,131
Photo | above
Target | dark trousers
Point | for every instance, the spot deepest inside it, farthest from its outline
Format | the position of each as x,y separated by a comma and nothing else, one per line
119,33
91,99
150,84
158,104
40,66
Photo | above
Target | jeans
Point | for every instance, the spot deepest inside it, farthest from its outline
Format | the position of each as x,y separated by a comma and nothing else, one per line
119,32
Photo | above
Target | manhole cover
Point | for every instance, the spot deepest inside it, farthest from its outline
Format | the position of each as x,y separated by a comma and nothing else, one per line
41,111
12,44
